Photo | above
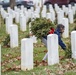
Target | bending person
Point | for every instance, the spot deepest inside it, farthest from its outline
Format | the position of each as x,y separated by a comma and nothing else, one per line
59,31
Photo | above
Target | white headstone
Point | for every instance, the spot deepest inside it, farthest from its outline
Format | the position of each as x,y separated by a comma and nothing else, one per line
9,22
43,14
52,15
59,17
65,22
73,8
44,8
22,23
52,46
29,13
13,13
66,11
26,14
50,7
64,8
32,9
8,9
3,13
73,44
48,16
56,7
70,16
16,17
15,8
26,54
62,13
32,15
69,6
22,7
13,36
18,10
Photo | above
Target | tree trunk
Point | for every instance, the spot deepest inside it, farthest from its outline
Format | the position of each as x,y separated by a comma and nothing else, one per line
12,3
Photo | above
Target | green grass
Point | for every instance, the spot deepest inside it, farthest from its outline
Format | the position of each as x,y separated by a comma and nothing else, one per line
11,53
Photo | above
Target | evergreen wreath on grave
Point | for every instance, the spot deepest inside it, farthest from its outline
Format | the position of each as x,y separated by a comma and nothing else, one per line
68,51
41,26
6,41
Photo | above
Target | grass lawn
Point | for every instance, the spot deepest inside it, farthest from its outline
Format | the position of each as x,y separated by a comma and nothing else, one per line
11,58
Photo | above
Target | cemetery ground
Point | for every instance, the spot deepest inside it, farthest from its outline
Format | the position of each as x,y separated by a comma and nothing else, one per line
10,58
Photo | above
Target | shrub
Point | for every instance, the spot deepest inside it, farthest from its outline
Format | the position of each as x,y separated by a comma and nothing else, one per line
40,27
68,51
6,41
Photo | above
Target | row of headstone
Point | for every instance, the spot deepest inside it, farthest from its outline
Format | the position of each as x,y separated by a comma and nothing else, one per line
60,15
61,12
50,15
22,20
70,12
10,27
35,13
